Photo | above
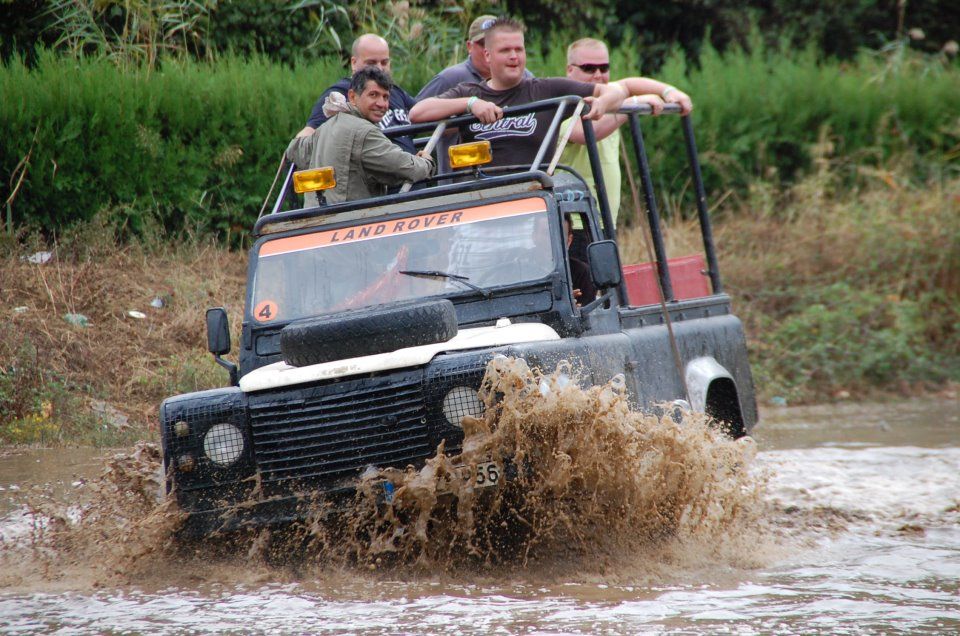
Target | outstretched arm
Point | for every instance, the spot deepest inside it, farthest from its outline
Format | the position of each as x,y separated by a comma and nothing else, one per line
642,90
435,108
606,99
604,127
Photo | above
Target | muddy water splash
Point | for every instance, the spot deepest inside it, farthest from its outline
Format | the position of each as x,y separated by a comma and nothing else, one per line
589,477
591,481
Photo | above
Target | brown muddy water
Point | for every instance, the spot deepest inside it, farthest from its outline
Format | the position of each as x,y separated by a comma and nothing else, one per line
846,521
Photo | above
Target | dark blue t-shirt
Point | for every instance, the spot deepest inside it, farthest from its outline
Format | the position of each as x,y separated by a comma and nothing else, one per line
398,114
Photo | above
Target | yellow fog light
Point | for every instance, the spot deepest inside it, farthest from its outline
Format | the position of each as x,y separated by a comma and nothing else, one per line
473,154
313,180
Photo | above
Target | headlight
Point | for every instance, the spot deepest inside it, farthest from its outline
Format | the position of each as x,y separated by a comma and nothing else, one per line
223,444
460,401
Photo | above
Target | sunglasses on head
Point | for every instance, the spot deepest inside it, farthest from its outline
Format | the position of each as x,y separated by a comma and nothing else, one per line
593,68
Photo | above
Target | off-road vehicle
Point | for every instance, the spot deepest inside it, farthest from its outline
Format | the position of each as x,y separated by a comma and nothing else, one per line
368,325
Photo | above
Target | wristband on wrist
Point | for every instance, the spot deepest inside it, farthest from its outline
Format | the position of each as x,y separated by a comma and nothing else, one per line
470,103
667,91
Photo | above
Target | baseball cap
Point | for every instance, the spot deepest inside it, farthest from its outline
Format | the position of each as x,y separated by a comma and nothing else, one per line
479,27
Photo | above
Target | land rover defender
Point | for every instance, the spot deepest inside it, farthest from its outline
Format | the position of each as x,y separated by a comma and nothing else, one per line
368,325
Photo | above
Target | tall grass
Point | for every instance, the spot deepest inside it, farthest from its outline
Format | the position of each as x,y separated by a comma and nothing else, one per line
198,143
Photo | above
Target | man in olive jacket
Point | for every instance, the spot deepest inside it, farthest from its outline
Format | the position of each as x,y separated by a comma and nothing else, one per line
365,162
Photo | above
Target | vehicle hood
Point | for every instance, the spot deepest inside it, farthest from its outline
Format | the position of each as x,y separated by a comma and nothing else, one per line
281,374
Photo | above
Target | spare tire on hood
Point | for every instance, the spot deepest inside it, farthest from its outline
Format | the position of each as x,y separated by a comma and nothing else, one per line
367,331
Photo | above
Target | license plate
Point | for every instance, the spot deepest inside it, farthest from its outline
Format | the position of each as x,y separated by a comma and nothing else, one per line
486,475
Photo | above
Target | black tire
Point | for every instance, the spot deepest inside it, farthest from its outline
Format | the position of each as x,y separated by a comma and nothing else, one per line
367,331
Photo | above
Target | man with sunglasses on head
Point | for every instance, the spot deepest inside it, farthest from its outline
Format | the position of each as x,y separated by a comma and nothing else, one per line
588,60
365,162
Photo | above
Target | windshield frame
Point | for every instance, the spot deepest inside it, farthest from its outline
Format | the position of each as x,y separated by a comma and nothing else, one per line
459,294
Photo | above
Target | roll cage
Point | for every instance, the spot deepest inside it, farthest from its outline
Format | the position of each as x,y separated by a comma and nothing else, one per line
538,171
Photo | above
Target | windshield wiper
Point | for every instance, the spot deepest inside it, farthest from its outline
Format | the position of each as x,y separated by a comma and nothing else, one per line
432,273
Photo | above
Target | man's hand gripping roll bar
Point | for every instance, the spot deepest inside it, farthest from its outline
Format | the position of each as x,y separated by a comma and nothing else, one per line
431,144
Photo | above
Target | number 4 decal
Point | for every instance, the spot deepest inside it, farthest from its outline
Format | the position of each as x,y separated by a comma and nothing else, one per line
265,311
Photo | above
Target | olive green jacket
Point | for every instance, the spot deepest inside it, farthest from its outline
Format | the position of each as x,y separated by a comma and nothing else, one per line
364,161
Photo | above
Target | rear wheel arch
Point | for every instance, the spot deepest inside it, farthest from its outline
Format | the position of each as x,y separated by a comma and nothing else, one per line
723,405
713,391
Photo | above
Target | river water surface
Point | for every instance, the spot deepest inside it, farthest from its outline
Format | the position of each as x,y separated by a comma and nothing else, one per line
862,536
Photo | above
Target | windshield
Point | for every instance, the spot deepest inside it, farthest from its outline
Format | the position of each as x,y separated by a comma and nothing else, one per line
350,267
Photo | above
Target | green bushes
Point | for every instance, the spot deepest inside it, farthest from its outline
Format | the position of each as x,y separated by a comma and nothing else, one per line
193,143
198,143
858,339
770,114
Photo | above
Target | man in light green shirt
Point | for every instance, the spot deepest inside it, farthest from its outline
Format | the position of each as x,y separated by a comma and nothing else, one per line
589,61
575,156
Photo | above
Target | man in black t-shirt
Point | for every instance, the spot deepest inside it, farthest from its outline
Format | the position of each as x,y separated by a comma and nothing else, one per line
369,50
515,139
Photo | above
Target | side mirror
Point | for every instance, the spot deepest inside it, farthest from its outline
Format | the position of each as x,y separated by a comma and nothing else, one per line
218,331
605,268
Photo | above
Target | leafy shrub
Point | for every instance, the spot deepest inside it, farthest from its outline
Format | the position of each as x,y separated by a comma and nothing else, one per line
194,144
844,337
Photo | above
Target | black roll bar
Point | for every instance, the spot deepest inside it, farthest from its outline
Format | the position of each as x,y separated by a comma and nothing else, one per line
706,230
562,106
609,231
703,216
560,103
653,215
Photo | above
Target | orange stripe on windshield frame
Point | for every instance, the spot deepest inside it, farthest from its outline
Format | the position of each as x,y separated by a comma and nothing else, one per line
408,225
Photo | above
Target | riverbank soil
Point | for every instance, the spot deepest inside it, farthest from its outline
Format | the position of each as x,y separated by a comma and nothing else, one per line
96,333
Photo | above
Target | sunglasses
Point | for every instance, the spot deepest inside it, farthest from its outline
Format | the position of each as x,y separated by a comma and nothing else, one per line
592,68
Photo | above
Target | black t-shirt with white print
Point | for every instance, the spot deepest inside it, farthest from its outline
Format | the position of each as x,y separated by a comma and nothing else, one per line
515,140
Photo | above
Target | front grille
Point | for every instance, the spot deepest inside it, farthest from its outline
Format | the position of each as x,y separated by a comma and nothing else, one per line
336,430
